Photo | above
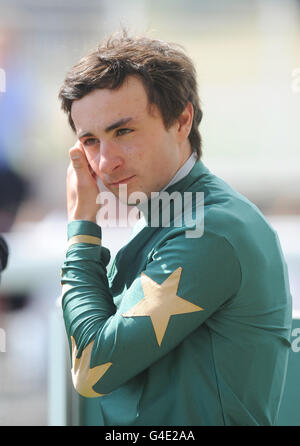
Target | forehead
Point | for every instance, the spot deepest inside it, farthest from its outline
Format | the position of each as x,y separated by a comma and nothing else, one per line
101,107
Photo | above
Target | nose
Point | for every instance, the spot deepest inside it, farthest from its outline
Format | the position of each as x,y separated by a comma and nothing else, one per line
110,158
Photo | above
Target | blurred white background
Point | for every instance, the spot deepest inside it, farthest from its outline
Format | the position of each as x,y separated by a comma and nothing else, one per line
247,54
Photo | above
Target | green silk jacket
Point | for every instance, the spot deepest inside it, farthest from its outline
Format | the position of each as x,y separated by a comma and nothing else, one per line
182,330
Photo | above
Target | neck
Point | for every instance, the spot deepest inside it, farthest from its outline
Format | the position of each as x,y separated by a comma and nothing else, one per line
186,152
181,172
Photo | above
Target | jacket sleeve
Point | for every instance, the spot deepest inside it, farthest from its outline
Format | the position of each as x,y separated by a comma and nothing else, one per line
184,282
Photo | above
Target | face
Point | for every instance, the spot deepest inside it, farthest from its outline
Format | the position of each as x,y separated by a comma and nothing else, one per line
125,141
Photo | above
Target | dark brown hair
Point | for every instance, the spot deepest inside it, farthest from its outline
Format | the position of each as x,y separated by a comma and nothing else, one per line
167,73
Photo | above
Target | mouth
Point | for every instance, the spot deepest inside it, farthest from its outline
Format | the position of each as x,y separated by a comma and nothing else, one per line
123,181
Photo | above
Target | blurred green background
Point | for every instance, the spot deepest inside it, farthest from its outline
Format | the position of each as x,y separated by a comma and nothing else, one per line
247,55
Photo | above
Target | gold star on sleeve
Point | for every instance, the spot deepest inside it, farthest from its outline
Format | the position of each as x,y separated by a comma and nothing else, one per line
160,302
84,377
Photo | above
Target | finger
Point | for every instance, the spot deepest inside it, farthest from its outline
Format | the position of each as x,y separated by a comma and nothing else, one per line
92,172
78,159
80,146
84,155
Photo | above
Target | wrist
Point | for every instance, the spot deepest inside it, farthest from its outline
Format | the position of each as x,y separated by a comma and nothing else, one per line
76,217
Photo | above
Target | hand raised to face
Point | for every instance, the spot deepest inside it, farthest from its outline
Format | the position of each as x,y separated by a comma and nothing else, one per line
82,189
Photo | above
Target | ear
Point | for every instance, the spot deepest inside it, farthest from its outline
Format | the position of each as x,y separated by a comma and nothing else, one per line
184,122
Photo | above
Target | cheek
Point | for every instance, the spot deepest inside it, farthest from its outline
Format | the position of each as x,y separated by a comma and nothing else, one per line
93,158
133,155
132,148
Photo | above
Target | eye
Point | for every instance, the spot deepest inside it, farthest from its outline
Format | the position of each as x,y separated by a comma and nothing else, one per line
90,142
121,132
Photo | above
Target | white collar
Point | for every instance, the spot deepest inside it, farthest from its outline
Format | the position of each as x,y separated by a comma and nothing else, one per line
183,171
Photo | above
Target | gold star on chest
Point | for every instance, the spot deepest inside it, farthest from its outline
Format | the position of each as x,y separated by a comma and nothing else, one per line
84,377
160,302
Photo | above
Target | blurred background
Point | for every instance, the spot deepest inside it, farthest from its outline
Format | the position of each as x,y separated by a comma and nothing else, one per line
247,54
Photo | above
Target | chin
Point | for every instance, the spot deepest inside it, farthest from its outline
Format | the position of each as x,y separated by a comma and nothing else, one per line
133,197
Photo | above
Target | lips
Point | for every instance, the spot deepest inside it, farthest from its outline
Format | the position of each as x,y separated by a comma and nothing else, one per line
122,181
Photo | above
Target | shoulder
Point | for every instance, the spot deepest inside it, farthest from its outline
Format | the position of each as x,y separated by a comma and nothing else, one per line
238,221
209,249
230,214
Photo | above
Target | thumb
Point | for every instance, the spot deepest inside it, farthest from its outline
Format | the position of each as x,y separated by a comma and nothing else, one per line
77,159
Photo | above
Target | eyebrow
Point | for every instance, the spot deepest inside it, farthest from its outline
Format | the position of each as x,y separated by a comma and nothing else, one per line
117,124
109,128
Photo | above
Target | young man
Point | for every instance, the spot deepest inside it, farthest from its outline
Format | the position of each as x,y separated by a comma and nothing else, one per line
184,329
